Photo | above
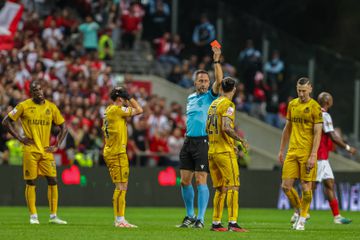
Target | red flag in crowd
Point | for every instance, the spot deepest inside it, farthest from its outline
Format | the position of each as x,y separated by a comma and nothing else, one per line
10,15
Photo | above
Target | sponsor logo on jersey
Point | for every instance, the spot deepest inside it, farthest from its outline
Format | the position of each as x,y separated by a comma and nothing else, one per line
47,112
230,111
307,110
38,122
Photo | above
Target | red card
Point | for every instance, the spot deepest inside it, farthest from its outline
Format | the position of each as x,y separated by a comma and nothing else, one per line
215,44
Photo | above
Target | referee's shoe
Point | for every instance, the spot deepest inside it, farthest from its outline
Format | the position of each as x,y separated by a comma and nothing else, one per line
187,222
198,224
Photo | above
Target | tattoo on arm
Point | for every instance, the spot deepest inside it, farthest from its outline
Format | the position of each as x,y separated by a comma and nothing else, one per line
228,129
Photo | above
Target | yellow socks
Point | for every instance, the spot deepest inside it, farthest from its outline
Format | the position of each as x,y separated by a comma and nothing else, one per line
305,204
119,203
53,198
219,200
293,197
30,197
233,205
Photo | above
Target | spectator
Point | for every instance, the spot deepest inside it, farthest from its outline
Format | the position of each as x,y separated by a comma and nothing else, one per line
89,29
158,122
140,137
272,108
131,26
159,20
250,63
175,143
52,34
203,34
275,71
106,47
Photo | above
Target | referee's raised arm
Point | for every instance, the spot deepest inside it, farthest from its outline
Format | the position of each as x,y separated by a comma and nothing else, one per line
218,70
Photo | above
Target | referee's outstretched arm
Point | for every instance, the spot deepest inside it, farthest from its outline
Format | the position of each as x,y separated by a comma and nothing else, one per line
218,70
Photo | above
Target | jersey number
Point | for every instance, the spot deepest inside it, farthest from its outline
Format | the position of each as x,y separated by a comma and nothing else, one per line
213,124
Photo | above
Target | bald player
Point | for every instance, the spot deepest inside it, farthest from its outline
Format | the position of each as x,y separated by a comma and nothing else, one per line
324,172
37,116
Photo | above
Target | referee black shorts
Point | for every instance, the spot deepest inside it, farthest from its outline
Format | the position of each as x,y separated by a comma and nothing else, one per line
194,154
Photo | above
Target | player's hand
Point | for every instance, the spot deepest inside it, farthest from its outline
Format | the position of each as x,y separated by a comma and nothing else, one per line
51,149
217,53
311,162
281,157
27,141
352,150
126,95
243,145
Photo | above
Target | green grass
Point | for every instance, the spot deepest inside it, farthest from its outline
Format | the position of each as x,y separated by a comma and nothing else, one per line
159,223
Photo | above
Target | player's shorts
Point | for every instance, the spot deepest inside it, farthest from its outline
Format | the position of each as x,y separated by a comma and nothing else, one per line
38,164
118,166
295,166
224,169
324,171
194,154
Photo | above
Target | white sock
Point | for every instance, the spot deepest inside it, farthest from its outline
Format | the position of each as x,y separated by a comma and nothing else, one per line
232,222
337,216
120,219
302,219
52,215
34,216
216,222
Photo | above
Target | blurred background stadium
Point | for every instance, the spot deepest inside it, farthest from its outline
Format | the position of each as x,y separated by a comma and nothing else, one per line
80,49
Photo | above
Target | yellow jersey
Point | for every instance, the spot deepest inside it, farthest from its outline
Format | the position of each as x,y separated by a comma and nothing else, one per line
303,116
115,129
36,121
219,141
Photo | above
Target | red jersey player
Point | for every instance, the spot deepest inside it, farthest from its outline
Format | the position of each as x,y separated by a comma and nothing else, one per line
324,171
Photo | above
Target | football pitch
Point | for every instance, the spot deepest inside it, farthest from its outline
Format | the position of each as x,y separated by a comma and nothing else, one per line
159,223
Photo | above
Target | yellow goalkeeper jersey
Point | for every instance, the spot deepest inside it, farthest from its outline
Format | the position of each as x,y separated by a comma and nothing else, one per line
303,116
115,129
219,141
36,120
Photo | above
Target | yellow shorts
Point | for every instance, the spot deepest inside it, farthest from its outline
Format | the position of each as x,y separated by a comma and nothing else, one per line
38,164
295,166
224,169
118,166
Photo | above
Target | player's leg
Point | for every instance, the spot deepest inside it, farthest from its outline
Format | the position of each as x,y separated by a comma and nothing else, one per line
53,197
333,202
188,195
119,171
230,171
218,208
30,197
187,167
305,204
47,168
30,172
220,194
201,171
203,197
290,172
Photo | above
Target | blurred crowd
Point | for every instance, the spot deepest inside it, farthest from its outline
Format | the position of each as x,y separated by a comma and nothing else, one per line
67,44
67,52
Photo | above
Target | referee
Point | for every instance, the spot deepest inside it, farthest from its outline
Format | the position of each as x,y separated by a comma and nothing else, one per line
194,153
